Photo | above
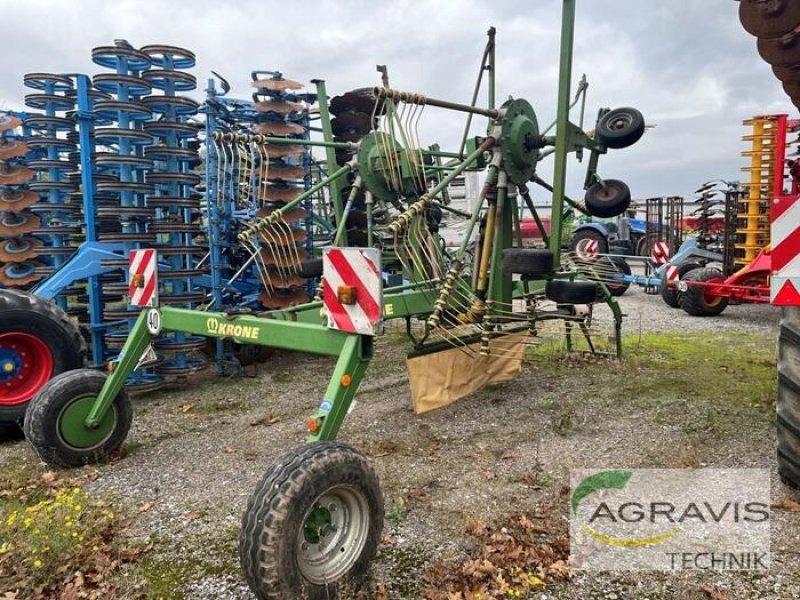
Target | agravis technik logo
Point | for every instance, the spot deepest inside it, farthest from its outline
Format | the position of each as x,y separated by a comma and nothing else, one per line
706,519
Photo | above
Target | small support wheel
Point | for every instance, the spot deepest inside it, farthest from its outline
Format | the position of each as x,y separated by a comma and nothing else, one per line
670,294
609,201
697,300
527,261
313,522
54,424
620,128
571,292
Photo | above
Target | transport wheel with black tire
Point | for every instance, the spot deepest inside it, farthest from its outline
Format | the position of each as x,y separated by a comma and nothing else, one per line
571,292
312,525
607,200
527,261
55,421
620,128
670,294
699,300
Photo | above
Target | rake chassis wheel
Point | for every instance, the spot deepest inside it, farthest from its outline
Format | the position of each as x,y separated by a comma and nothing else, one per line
313,523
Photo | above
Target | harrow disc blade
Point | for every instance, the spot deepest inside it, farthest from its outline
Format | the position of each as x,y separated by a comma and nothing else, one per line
13,149
278,299
277,84
787,73
293,214
272,193
20,274
16,174
278,128
282,260
17,200
284,151
769,19
19,249
282,171
282,108
9,122
13,225
782,51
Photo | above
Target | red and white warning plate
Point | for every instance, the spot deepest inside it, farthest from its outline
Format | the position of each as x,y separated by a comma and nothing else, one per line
785,255
660,253
143,277
353,289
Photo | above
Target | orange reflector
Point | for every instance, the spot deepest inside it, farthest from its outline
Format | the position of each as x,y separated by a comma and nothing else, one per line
110,366
313,425
346,380
137,279
346,294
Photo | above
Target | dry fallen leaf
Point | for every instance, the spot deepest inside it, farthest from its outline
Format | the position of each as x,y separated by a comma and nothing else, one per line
714,594
145,507
786,504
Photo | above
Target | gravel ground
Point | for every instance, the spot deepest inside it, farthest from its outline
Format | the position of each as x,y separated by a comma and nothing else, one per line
196,452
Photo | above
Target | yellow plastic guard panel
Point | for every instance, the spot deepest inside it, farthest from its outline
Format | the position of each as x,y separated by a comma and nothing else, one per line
440,379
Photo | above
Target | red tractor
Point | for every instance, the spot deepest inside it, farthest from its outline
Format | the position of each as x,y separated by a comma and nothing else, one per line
776,24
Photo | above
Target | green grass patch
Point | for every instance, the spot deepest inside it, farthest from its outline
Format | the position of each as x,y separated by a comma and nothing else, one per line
736,370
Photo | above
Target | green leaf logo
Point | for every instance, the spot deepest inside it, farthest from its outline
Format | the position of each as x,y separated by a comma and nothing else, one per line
605,480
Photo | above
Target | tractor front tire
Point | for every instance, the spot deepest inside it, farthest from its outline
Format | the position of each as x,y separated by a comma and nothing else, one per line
37,341
788,404
696,299
55,425
580,240
312,525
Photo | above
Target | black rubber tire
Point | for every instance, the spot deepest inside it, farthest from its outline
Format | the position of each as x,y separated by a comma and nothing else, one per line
694,300
575,244
788,403
43,425
670,295
561,291
250,354
618,288
26,313
311,268
275,513
620,128
527,261
608,202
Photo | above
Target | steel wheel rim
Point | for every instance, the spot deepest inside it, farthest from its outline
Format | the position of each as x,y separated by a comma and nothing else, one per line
333,534
26,364
70,424
620,121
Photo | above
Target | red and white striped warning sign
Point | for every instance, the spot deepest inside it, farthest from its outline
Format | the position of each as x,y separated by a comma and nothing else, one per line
785,255
660,253
672,273
590,248
143,277
352,289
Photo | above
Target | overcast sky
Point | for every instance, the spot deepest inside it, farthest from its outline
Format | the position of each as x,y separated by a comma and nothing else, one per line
686,64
